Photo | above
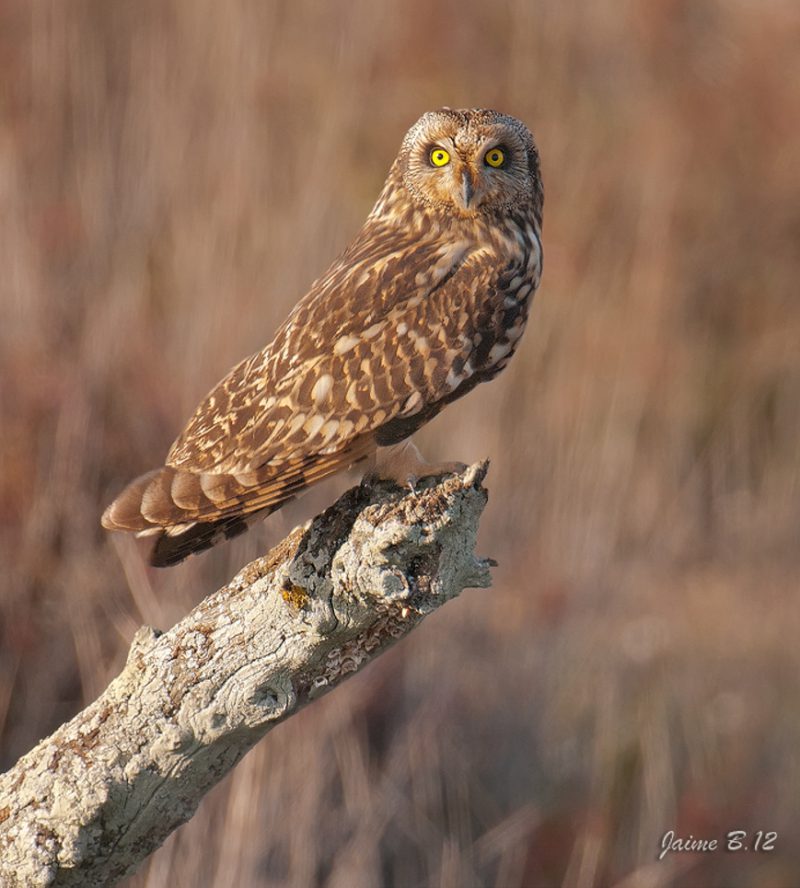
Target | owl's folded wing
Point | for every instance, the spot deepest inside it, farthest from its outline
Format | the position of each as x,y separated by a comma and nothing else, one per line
314,402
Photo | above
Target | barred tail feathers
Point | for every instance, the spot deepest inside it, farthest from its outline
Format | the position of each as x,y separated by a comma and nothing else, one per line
191,511
188,512
176,543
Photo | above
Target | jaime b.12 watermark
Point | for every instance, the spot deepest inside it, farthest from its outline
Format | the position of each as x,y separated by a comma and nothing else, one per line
735,840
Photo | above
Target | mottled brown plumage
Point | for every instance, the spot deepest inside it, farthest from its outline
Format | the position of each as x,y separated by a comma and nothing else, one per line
430,298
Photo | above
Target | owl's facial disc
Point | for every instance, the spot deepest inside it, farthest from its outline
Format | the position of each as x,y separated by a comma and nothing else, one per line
468,177
469,162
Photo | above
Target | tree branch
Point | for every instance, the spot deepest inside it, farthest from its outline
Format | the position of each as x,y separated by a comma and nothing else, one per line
89,803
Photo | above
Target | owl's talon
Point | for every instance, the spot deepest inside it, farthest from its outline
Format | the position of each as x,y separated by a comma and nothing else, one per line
369,479
452,468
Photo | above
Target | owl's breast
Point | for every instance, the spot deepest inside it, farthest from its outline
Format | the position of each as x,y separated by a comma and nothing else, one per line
502,310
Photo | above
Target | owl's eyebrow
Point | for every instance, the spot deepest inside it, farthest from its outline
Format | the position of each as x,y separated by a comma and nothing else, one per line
495,142
443,142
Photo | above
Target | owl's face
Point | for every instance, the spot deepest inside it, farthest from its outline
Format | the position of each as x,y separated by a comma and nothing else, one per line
471,162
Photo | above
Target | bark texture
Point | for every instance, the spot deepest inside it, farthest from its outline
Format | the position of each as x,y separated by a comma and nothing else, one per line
90,802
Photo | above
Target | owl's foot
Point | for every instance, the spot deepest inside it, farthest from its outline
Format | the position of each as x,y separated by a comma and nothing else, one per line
405,465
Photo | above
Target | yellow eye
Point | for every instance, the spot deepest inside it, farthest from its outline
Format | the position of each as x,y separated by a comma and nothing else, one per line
439,157
495,157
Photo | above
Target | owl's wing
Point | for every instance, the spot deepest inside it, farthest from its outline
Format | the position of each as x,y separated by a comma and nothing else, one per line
316,372
375,346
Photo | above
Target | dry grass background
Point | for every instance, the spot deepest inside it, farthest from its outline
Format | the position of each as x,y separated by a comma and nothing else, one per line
173,173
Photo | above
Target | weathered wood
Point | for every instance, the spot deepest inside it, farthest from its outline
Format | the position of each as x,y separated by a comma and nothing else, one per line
89,803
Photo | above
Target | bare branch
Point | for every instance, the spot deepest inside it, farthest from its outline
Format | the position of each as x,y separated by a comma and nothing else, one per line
89,803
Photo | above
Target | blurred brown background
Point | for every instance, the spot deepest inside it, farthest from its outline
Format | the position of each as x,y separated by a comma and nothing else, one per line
173,173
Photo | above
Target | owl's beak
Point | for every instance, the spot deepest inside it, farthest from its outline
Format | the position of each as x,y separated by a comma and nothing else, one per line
467,188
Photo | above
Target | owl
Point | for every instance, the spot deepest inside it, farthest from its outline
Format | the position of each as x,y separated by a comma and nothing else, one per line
429,299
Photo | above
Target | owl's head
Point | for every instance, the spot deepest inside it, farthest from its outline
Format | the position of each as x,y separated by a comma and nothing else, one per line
471,162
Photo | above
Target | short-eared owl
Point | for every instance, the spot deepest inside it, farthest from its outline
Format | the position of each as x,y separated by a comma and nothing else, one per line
430,298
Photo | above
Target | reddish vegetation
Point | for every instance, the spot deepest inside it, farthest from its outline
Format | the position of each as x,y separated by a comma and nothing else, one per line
172,175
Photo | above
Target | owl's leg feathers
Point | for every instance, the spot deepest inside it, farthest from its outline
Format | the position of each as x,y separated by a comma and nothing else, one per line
405,465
